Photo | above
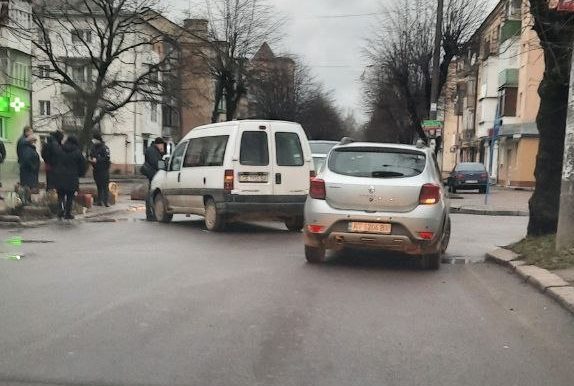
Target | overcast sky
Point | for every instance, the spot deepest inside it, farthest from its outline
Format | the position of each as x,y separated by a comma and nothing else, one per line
327,34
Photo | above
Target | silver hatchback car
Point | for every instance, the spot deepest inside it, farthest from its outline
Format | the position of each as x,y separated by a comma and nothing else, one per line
382,196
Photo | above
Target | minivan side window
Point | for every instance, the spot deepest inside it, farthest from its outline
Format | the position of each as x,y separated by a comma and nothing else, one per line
254,149
206,151
177,157
289,150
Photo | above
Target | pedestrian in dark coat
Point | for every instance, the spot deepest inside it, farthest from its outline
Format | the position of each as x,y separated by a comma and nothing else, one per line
70,166
29,164
153,155
49,149
2,158
101,162
22,141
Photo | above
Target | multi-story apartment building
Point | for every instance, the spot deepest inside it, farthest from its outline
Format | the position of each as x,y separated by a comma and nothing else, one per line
507,64
15,74
57,105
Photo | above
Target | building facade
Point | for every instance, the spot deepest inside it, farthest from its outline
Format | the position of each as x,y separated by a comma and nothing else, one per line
15,76
504,66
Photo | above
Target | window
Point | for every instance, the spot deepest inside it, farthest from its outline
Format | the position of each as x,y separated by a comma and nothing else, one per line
377,162
21,74
507,100
154,111
2,128
289,151
45,108
177,157
206,151
254,149
43,71
81,36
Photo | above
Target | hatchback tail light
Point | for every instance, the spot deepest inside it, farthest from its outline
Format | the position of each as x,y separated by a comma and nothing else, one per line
484,175
318,190
430,194
228,180
459,176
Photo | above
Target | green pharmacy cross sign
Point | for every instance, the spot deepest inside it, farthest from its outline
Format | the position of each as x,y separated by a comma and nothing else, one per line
15,105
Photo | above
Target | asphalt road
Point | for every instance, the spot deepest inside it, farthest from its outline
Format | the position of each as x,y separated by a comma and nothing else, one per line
136,303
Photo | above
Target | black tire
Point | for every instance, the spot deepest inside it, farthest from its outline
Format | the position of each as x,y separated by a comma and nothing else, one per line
431,261
160,209
315,255
453,189
149,215
482,190
214,221
446,236
295,224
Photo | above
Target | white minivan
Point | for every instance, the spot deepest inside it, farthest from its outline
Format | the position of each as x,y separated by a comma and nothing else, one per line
239,170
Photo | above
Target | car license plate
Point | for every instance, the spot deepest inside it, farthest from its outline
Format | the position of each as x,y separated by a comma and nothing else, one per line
258,178
370,227
472,181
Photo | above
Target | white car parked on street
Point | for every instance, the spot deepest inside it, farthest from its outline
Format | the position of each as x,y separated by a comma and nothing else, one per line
237,170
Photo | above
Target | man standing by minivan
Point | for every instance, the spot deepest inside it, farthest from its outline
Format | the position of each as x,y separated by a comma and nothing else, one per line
153,155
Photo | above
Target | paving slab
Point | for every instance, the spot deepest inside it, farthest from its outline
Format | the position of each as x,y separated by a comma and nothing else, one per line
566,274
545,279
502,256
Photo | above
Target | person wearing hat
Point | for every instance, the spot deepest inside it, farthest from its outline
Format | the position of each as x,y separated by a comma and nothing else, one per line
153,155
49,150
70,166
101,162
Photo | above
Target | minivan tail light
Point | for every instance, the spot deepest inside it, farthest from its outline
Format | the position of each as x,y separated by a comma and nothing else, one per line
318,190
228,180
430,194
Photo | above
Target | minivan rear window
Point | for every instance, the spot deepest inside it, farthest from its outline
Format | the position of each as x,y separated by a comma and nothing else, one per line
289,151
254,149
377,162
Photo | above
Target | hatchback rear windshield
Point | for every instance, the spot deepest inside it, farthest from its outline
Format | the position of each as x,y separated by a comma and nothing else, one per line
470,167
377,162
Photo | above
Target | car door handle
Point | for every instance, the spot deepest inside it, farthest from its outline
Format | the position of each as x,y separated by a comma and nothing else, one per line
278,178
179,177
204,180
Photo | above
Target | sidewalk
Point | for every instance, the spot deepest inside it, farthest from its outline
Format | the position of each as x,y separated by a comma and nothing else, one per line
501,202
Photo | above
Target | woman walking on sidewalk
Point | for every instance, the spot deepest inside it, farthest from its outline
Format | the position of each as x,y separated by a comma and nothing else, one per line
70,166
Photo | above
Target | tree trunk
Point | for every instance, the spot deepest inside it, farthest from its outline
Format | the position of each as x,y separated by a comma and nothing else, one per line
555,31
551,121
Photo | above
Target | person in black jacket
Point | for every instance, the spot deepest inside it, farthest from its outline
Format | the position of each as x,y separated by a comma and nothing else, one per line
153,155
70,166
100,160
29,164
2,158
27,132
49,155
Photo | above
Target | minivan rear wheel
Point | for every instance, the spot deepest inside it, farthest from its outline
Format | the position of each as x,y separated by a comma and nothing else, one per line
315,255
295,224
214,221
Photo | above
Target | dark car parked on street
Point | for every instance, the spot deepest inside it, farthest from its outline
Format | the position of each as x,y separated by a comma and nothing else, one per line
468,176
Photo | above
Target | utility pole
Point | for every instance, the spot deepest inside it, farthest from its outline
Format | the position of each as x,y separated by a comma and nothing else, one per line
436,61
564,237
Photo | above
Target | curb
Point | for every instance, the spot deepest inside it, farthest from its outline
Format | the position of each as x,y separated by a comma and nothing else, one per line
38,223
542,279
487,212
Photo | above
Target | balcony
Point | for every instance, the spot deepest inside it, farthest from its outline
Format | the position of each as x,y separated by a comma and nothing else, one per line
510,29
70,91
508,78
72,123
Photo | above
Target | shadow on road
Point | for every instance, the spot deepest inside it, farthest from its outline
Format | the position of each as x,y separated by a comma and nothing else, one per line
361,259
232,228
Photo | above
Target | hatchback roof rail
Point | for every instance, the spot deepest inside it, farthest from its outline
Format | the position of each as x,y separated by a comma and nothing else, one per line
346,141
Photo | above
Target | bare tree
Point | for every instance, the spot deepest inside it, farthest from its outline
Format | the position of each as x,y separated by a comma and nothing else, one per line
237,28
401,51
91,47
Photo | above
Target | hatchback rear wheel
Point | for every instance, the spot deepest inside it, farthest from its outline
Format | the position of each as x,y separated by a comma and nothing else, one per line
315,255
295,224
431,261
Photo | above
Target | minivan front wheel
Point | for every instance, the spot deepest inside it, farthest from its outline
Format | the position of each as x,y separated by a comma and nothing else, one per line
160,209
315,255
214,221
